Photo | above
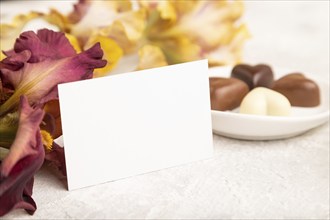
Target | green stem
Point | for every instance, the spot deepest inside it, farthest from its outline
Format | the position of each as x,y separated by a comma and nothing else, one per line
3,153
10,103
8,129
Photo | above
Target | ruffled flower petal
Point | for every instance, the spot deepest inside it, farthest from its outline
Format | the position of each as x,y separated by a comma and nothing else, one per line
85,14
74,42
127,30
52,124
112,53
39,80
166,9
184,7
208,22
231,52
2,56
56,158
52,109
9,32
151,57
180,49
58,19
197,29
25,157
14,61
44,45
80,10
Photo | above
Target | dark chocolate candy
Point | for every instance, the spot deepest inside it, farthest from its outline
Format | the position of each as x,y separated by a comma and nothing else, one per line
300,91
260,75
226,93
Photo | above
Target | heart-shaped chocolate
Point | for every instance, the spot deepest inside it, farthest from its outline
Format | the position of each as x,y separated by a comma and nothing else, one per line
226,93
264,101
260,75
300,91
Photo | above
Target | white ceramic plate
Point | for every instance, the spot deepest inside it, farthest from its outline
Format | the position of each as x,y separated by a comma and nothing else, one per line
253,127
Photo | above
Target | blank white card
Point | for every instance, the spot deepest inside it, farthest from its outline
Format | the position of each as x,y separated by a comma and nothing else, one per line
128,124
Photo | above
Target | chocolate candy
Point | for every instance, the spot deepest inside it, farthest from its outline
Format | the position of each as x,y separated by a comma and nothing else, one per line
298,89
254,76
264,101
227,93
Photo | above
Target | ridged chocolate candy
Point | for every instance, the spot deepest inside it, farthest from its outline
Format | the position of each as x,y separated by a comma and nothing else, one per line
300,91
226,93
260,75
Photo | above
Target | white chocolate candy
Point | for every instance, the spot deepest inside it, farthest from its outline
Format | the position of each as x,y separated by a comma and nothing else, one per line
263,101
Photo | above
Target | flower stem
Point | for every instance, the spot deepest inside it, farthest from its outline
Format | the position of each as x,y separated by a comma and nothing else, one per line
8,129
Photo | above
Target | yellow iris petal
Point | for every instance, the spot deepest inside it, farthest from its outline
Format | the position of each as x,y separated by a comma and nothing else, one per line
179,49
199,29
127,31
183,7
9,32
2,56
56,18
74,42
164,8
105,11
230,53
112,53
151,57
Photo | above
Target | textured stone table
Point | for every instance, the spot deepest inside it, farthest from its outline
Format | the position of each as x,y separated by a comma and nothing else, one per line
283,179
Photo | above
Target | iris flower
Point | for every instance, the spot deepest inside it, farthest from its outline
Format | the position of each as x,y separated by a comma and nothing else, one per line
118,28
25,157
190,30
39,62
29,77
181,30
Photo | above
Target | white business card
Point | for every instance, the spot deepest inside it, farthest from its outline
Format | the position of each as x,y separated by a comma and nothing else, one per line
133,123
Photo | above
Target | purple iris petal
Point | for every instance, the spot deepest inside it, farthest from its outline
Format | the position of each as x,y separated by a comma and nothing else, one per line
25,157
50,64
